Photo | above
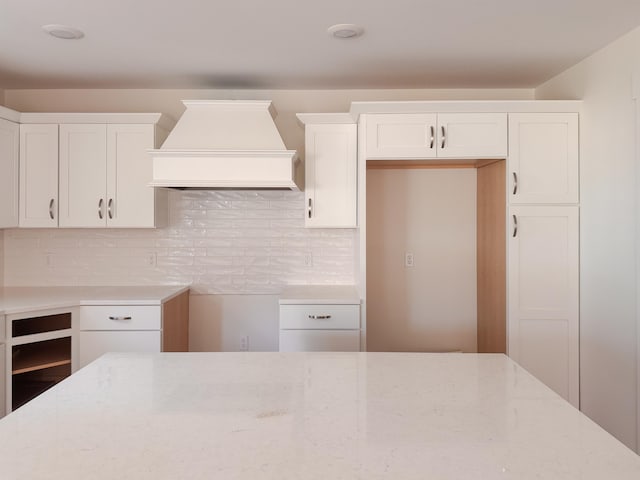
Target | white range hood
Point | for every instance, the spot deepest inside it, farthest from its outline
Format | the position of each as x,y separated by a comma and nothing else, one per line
220,144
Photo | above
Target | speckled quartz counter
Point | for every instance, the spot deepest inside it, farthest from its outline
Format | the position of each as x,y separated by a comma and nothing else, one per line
27,299
306,416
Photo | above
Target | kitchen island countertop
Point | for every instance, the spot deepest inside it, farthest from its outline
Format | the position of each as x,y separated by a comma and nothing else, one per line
306,416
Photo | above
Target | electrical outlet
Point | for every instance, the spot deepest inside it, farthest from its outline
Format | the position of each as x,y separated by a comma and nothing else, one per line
408,260
244,343
308,260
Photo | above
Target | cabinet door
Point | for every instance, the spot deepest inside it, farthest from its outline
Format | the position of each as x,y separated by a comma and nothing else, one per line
543,158
83,175
401,136
543,295
38,176
3,376
130,201
9,141
319,340
331,175
93,344
472,135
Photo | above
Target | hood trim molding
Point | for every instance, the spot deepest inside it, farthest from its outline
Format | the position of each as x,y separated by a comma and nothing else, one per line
273,169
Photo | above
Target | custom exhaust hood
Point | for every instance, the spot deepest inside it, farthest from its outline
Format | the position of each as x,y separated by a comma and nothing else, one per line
225,144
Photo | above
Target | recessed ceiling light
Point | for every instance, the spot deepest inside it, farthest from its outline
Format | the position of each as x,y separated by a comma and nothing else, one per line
63,31
345,30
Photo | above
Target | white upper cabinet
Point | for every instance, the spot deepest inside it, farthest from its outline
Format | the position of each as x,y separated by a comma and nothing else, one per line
38,175
9,141
430,135
331,159
104,172
543,158
83,175
543,295
330,182
401,136
130,201
472,135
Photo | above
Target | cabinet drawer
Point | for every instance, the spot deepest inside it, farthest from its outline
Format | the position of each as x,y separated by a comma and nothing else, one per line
319,340
121,317
320,317
96,344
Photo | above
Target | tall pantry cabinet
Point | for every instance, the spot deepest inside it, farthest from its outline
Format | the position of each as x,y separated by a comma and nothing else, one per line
543,263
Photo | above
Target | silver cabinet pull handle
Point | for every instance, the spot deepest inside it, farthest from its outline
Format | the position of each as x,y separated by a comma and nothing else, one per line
310,209
119,318
515,183
51,213
515,226
433,136
319,317
444,136
110,208
100,204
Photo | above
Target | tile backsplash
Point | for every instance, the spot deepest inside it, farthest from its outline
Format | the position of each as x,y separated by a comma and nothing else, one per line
244,242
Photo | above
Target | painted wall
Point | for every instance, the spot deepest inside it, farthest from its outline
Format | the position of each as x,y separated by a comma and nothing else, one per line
608,219
431,306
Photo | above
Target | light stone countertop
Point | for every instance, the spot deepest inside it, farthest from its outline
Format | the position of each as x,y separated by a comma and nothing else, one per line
15,300
322,416
320,294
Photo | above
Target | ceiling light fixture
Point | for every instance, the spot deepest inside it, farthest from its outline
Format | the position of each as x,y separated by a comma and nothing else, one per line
345,30
63,31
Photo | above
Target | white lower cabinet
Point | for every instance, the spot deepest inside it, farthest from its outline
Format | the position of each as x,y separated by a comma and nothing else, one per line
119,328
319,327
543,276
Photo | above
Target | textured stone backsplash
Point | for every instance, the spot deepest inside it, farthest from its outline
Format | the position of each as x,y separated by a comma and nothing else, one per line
245,242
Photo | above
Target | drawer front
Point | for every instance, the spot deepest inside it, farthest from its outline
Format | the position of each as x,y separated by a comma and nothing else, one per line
95,344
320,317
121,317
319,340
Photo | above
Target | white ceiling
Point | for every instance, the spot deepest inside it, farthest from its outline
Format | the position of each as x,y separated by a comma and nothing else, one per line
284,44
